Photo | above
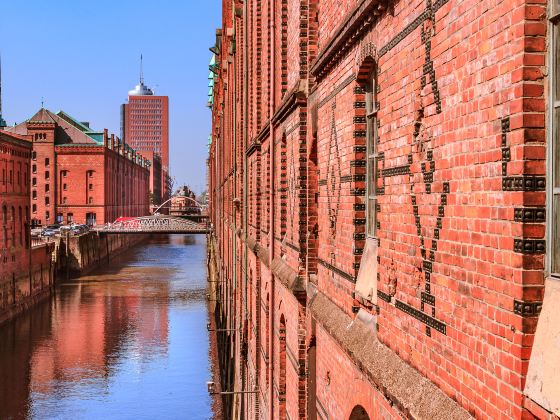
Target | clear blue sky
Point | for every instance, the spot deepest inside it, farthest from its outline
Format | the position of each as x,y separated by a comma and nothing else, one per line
82,56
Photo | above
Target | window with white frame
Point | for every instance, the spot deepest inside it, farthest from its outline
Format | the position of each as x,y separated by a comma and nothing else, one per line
371,137
554,146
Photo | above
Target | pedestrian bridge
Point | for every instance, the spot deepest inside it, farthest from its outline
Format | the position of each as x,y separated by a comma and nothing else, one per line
157,223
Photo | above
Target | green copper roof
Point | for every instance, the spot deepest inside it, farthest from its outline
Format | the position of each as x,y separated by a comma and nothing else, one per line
213,66
73,121
94,135
98,137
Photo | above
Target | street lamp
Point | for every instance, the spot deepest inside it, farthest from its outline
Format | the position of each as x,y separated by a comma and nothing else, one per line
212,390
209,328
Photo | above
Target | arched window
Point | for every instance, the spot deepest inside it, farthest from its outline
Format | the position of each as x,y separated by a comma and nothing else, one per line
13,226
21,225
359,413
371,150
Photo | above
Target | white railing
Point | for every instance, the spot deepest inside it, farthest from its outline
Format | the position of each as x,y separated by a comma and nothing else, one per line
154,224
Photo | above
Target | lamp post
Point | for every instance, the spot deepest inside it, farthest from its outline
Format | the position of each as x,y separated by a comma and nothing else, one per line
212,390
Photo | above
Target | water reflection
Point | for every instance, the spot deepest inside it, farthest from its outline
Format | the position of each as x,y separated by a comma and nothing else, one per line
127,341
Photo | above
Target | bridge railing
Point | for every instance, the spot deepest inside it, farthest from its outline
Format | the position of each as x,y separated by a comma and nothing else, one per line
156,223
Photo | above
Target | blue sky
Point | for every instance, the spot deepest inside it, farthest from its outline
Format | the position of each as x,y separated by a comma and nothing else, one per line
83,57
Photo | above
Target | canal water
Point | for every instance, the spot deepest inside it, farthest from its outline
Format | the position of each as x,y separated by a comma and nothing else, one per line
128,341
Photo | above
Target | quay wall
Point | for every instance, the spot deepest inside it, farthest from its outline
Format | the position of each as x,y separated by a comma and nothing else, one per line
86,252
19,291
52,262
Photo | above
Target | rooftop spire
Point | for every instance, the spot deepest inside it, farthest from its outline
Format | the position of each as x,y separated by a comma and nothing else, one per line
2,121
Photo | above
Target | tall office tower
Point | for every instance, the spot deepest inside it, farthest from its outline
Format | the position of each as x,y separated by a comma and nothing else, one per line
145,127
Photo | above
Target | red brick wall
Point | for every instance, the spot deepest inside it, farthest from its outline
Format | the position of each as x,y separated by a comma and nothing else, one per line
461,141
43,189
24,272
119,187
15,154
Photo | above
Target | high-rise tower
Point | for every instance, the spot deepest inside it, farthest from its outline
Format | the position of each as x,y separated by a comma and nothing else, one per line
145,126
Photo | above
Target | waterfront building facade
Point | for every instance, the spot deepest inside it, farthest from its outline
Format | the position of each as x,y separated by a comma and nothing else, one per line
383,188
14,201
145,126
78,175
26,272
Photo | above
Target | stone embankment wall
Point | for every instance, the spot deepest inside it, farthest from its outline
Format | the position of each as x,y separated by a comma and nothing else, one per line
52,262
88,251
22,290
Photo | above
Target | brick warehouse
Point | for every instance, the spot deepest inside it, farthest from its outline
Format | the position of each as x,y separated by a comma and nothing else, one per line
384,193
26,273
80,175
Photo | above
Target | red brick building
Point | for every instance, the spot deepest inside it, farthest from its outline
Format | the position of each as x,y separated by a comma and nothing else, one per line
156,174
383,186
82,176
26,274
15,154
145,126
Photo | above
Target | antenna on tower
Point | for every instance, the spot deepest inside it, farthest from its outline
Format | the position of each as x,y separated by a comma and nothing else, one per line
141,70
2,121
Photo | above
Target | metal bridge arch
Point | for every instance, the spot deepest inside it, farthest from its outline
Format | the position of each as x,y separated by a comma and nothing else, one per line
196,203
158,223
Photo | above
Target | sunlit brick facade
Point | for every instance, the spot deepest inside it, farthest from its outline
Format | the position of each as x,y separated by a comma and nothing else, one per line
386,223
82,176
15,155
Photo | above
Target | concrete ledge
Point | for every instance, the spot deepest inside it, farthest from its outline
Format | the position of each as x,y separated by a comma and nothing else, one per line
406,388
287,276
260,251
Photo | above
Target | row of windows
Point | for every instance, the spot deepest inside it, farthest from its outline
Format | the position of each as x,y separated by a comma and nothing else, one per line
13,152
8,177
17,225
90,218
144,105
65,200
34,157
147,112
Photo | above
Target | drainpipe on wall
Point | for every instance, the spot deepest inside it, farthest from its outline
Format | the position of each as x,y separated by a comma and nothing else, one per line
272,207
245,183
234,163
